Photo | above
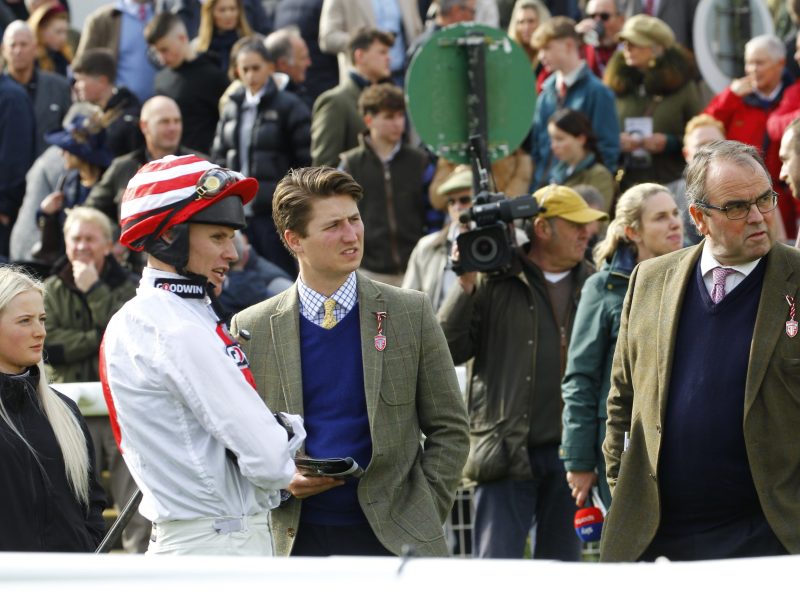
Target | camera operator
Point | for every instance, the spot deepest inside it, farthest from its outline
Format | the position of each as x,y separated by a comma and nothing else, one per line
516,325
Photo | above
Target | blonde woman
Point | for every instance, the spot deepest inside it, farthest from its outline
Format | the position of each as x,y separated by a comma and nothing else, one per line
647,224
526,16
51,500
222,22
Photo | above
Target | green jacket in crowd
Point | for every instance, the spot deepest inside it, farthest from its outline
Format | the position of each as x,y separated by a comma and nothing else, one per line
76,321
508,327
667,93
587,377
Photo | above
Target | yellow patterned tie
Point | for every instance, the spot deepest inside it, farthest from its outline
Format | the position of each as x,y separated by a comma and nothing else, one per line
329,320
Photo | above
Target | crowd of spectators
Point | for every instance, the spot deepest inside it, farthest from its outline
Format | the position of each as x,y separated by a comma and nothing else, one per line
262,87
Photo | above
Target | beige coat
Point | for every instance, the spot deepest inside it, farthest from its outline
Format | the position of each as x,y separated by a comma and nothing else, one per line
341,18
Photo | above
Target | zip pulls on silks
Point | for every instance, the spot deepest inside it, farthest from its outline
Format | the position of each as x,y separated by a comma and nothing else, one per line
380,339
791,324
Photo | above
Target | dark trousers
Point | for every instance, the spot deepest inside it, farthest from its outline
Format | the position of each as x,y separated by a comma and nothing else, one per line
505,511
330,540
745,538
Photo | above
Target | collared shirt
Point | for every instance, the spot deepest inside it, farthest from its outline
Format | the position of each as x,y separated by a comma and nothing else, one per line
388,17
392,154
772,95
281,80
133,8
569,78
312,303
246,121
135,71
708,263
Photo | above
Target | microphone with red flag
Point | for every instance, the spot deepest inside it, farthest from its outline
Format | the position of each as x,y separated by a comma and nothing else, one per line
589,521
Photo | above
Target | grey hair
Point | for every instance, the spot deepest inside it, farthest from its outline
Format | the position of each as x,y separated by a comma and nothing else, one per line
14,27
279,43
719,151
771,43
591,196
87,214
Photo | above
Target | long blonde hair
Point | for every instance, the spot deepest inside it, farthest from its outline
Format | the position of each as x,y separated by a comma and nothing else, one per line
542,13
67,429
628,213
206,29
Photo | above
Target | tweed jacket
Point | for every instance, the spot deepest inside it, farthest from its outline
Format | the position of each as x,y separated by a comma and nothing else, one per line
642,363
335,123
411,391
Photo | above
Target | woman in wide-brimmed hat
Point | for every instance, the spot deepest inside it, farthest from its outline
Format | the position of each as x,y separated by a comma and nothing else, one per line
86,156
656,95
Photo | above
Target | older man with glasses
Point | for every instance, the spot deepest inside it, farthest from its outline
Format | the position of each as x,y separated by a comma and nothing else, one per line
701,449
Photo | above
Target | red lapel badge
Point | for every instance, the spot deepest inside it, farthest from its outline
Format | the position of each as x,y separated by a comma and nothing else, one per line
380,339
791,324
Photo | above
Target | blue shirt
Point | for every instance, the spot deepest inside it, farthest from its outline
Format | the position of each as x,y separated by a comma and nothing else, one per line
389,18
134,69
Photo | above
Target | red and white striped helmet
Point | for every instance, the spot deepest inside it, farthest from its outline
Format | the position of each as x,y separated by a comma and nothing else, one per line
173,190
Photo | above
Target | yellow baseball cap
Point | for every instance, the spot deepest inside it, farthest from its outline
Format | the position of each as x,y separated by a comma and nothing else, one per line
562,201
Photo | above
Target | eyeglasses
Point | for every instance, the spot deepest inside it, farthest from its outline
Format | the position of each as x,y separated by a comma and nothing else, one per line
216,180
603,16
461,200
739,209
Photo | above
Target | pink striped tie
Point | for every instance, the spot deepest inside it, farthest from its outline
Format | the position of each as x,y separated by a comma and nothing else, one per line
720,274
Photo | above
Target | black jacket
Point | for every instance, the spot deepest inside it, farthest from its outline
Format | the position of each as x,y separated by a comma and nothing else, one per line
323,74
38,511
123,134
279,141
196,86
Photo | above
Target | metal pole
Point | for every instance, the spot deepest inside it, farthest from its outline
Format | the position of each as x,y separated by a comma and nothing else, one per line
122,521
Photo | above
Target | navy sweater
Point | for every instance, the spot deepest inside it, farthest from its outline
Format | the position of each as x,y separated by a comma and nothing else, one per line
335,413
704,472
